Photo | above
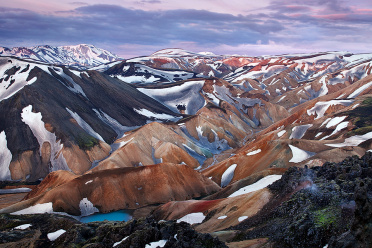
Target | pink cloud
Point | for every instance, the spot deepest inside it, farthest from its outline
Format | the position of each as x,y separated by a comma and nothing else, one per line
331,16
363,10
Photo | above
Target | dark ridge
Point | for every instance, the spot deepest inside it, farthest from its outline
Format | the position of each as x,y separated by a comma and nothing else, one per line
313,207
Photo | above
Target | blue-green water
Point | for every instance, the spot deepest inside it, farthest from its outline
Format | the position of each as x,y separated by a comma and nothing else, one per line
121,215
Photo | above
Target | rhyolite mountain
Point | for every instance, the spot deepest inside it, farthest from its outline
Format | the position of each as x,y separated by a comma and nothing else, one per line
196,137
55,118
78,56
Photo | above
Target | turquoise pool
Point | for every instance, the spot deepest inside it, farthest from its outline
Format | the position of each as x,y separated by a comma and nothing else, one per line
120,215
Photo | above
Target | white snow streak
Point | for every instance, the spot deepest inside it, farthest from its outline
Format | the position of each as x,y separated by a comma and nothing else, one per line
260,184
254,152
149,114
353,141
228,175
360,90
34,121
281,133
87,128
5,158
119,242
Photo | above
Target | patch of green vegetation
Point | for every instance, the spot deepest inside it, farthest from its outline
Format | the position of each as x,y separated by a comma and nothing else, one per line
362,130
361,117
367,101
86,142
326,217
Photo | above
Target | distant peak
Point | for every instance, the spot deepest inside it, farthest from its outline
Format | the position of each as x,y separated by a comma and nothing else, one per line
173,52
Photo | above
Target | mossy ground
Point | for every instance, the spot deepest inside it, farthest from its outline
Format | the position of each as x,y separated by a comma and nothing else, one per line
361,117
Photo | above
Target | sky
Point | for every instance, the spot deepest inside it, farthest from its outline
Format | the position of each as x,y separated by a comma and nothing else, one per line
132,28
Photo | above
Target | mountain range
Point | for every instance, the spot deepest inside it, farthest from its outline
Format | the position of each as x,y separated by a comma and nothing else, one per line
81,56
196,137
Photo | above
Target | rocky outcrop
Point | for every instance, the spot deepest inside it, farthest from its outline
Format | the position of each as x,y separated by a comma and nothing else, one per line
317,206
134,233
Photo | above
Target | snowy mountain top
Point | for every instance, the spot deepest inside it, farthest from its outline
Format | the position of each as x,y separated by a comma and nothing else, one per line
82,55
176,52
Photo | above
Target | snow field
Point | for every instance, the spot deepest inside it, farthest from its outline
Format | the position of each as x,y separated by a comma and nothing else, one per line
193,218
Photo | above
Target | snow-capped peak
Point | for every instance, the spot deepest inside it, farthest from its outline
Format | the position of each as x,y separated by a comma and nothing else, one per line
169,52
82,55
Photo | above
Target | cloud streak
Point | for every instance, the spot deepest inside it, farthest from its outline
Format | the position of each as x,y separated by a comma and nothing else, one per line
285,23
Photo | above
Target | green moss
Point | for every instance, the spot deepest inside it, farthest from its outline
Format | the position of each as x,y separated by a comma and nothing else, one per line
367,101
326,217
86,142
361,117
362,130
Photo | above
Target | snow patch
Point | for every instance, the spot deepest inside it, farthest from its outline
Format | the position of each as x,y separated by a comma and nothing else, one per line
281,133
160,243
179,94
260,184
228,175
318,134
321,107
149,114
114,124
55,235
241,218
360,90
36,209
222,217
339,127
23,227
72,86
17,81
37,126
193,218
119,242
123,143
5,158
353,141
254,152
299,155
87,208
299,131
88,182
335,121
